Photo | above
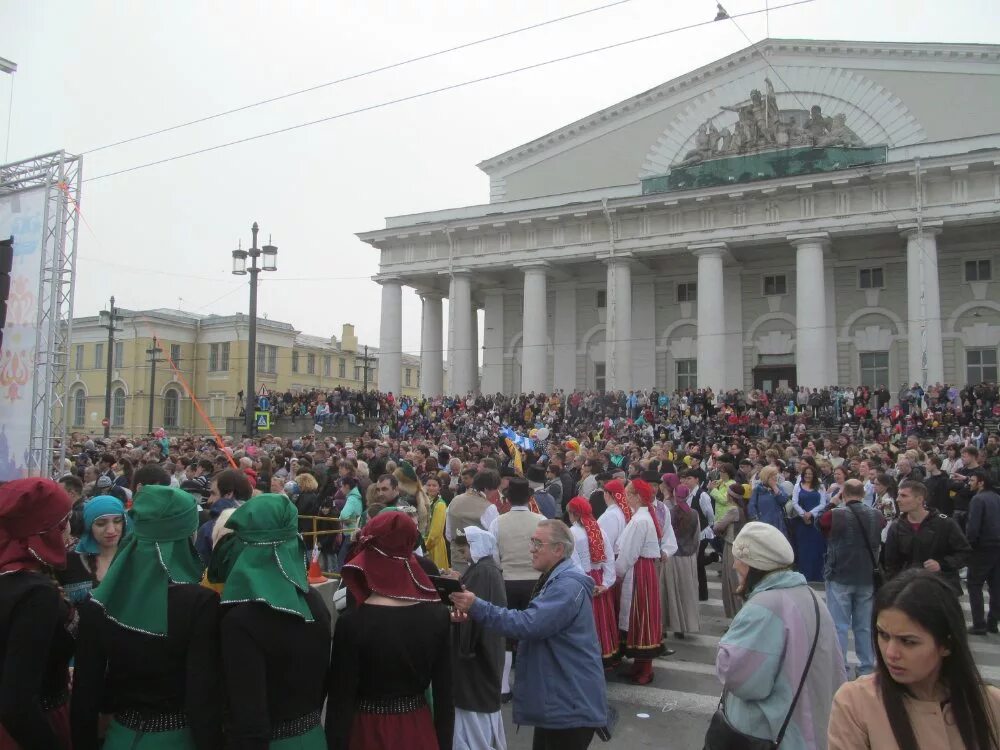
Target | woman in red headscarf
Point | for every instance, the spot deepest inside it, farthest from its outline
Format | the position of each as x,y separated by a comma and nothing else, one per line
592,552
638,552
613,522
390,648
37,625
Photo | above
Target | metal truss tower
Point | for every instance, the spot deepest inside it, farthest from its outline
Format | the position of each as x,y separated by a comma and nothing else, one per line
60,174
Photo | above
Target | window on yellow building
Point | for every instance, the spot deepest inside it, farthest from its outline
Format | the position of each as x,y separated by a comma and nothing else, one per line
295,361
342,368
79,407
118,408
218,357
175,353
171,408
311,364
119,354
407,376
326,365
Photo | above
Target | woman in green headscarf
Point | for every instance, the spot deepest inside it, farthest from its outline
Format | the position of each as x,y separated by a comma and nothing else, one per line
148,646
275,630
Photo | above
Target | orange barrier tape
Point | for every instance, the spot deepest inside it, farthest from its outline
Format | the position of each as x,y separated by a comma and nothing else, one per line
197,405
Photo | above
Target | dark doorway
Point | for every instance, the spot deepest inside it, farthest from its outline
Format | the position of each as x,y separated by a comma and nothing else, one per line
769,378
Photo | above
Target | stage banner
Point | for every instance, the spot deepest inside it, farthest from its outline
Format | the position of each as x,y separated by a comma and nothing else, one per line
23,216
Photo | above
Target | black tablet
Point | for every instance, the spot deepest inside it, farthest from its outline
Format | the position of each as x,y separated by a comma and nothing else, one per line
445,587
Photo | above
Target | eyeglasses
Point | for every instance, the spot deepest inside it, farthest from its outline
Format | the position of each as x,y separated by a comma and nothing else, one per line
537,544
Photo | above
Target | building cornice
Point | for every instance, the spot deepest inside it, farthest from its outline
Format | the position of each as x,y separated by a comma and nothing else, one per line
703,197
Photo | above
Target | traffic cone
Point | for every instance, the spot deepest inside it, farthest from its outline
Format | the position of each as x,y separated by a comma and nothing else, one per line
315,573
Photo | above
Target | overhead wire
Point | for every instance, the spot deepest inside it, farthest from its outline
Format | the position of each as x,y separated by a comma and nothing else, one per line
430,92
356,76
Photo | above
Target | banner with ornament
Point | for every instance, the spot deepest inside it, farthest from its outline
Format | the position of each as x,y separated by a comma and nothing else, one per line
22,215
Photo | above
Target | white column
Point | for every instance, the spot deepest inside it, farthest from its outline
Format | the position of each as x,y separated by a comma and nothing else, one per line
461,304
474,349
534,331
431,368
493,342
811,350
711,315
644,334
733,313
390,339
923,303
619,330
564,366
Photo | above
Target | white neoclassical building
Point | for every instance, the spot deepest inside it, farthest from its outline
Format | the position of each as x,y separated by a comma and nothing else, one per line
809,212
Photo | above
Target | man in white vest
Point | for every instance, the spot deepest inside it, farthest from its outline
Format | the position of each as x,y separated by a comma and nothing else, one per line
513,531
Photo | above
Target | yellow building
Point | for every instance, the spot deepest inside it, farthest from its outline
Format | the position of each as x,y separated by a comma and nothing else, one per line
206,354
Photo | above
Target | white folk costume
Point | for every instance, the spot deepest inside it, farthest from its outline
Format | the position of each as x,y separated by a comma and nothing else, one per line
592,553
640,615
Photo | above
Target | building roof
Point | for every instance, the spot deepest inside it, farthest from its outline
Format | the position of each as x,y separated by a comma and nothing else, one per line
988,53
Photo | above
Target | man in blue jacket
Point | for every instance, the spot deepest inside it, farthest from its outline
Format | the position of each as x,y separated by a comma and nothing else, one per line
560,688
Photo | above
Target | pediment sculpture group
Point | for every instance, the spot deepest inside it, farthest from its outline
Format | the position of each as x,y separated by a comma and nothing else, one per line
761,125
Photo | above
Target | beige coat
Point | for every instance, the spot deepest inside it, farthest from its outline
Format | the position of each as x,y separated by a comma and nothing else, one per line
859,720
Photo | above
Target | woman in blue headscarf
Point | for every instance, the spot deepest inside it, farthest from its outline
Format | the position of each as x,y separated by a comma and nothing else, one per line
104,525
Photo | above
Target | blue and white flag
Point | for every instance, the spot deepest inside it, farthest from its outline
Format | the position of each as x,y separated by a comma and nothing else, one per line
522,442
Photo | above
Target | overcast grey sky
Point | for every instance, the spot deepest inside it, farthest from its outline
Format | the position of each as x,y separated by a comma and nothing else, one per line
92,73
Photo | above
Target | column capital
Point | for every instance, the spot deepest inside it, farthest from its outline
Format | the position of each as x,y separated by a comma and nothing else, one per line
710,249
625,258
454,272
536,265
425,293
387,279
932,228
810,238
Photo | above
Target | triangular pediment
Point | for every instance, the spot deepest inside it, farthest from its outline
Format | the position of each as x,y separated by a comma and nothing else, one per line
877,91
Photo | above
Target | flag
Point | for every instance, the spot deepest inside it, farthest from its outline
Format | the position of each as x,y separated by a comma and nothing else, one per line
522,442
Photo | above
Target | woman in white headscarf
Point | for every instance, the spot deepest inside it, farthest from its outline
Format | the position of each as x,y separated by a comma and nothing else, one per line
478,654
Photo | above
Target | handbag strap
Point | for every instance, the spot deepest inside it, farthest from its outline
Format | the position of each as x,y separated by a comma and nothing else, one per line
802,682
805,673
864,535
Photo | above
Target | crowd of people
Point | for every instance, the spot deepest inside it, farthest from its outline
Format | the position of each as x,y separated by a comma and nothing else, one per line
476,569
687,414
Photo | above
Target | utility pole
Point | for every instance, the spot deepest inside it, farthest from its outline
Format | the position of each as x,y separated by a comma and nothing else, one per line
153,359
268,254
365,386
109,319
367,359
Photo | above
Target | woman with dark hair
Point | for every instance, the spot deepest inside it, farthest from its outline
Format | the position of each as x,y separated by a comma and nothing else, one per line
86,566
926,693
808,500
885,497
124,480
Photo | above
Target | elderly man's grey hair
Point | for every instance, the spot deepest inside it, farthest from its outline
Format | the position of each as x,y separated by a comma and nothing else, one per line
560,535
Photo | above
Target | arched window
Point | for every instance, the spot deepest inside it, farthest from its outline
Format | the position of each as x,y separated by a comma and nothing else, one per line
79,407
171,408
118,407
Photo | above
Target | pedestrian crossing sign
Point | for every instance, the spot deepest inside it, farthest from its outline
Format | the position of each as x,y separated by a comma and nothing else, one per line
263,419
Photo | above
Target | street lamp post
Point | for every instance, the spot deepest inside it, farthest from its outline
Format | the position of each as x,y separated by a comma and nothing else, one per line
268,254
153,353
109,319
